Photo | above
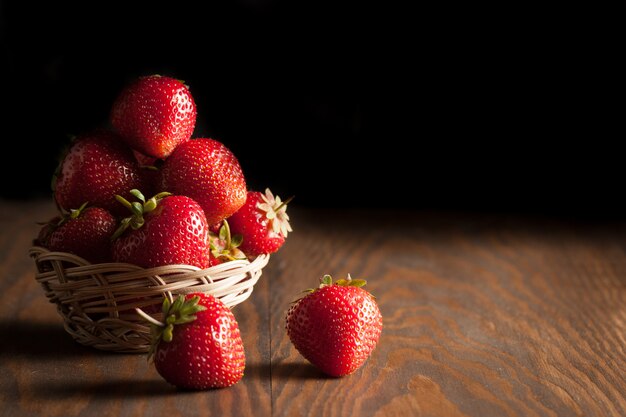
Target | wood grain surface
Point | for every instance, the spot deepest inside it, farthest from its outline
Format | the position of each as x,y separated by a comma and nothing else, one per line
483,316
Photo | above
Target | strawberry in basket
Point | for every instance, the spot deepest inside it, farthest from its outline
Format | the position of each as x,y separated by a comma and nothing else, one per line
154,115
199,191
207,171
164,230
85,232
262,222
97,167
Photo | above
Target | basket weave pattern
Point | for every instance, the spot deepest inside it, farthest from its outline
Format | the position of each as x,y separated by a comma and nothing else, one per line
97,301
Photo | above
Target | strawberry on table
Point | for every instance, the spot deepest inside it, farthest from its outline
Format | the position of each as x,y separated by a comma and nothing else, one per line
198,345
262,222
166,229
207,171
97,166
335,327
154,114
85,232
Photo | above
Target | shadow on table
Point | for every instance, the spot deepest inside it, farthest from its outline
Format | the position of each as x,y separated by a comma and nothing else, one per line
38,339
109,389
300,371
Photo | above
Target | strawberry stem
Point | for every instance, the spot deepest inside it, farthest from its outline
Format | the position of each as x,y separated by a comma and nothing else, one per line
284,203
138,209
149,318
180,311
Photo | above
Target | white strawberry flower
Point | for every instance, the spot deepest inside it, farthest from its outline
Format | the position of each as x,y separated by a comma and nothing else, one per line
276,212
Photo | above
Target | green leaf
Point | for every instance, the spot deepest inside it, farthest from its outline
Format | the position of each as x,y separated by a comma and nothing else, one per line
357,283
168,333
185,319
236,241
327,280
166,306
136,222
136,208
178,303
124,202
122,228
150,205
342,282
138,195
162,195
223,232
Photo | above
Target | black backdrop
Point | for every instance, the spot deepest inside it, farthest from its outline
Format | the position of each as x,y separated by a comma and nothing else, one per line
349,106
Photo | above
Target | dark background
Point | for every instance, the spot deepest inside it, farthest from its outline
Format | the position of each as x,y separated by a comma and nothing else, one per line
502,108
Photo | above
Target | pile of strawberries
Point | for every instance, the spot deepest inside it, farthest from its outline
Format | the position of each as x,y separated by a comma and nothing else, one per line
145,193
142,191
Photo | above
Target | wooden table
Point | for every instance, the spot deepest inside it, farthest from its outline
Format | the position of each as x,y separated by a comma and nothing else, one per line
483,316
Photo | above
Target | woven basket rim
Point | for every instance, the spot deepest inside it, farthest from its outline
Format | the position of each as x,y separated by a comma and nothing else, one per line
37,250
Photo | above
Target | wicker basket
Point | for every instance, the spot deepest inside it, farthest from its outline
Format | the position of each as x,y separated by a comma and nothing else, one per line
97,301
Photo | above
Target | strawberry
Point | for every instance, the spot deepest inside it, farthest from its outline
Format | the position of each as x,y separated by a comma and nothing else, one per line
43,237
85,232
97,166
154,114
335,327
262,221
208,172
198,344
163,230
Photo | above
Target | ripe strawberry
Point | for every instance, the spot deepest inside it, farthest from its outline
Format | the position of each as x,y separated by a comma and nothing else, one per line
154,114
208,172
262,221
96,167
85,232
163,230
46,230
198,345
335,327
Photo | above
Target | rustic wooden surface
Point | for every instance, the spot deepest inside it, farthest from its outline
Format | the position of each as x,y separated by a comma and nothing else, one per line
483,316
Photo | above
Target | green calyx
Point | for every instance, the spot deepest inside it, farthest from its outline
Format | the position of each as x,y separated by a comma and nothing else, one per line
74,213
180,311
138,209
71,215
327,281
224,246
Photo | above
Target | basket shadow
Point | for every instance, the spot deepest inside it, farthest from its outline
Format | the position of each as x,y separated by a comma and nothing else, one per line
107,390
38,339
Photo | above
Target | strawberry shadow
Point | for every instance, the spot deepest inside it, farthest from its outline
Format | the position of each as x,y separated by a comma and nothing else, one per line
297,371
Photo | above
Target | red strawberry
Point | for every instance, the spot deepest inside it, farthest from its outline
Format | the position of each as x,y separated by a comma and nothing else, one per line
198,345
144,160
262,221
164,230
85,232
154,114
96,167
208,172
335,327
46,230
